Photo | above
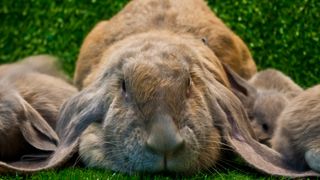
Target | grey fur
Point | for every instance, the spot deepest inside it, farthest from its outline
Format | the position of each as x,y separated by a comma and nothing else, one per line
265,95
298,130
274,91
30,98
136,67
272,79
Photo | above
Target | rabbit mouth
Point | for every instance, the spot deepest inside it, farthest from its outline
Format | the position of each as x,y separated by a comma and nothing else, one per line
129,157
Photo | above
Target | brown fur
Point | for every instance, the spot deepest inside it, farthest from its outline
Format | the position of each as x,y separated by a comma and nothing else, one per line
298,130
175,16
155,97
28,95
156,71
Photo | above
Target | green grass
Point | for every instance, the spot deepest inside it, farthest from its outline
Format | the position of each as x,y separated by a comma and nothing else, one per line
283,34
77,173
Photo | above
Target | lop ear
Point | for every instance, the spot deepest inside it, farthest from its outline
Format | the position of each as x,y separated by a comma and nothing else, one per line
88,106
238,133
240,87
36,131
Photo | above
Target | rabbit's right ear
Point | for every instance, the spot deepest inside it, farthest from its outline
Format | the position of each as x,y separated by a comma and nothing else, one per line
240,87
78,112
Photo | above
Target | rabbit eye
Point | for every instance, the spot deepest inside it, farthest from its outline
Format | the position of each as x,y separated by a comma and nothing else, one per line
265,127
124,90
123,86
189,87
189,83
204,40
250,116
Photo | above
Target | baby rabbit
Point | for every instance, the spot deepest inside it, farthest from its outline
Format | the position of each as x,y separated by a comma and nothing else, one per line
274,90
30,97
297,135
267,94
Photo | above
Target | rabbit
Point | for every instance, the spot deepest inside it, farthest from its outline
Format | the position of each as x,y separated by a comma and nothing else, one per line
156,96
267,93
264,113
30,98
298,129
134,35
176,16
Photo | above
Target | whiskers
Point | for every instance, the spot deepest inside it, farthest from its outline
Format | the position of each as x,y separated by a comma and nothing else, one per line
214,165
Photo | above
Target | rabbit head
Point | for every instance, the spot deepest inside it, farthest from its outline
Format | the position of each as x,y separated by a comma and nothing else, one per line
159,103
264,113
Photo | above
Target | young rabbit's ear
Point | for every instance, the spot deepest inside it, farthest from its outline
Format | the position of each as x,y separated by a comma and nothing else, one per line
238,133
36,131
240,87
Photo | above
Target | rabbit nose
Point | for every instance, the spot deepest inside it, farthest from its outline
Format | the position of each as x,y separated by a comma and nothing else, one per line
164,137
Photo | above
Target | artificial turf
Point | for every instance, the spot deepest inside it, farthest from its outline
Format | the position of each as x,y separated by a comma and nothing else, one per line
282,34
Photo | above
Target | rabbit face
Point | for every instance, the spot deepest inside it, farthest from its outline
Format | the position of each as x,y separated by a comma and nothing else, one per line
265,110
161,112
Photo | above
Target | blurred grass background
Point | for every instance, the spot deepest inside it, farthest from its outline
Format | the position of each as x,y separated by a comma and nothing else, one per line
283,34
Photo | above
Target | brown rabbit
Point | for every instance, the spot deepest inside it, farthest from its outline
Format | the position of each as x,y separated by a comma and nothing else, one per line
30,97
151,96
266,95
297,135
155,53
156,97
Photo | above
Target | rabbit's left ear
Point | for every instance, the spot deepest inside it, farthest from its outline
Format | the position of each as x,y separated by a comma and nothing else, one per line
238,133
36,131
